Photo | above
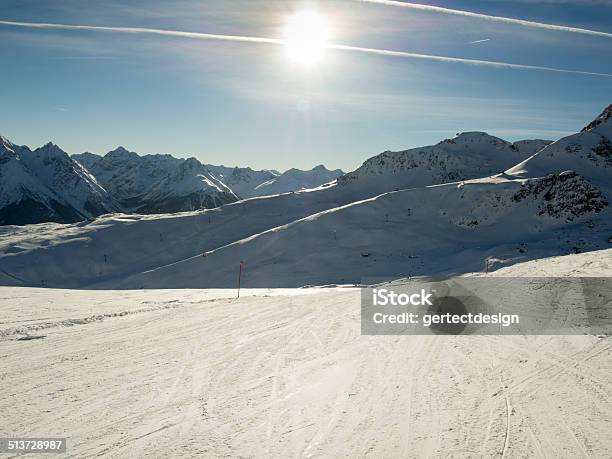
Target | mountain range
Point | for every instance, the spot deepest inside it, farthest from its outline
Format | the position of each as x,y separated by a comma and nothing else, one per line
63,189
451,208
48,185
156,183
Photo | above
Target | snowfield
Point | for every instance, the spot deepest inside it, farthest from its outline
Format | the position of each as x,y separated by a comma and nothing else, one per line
286,373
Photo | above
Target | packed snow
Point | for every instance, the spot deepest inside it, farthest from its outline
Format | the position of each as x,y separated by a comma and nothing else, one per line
286,373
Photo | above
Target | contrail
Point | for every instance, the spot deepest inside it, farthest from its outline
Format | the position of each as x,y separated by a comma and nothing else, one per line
457,60
522,22
277,41
139,30
479,41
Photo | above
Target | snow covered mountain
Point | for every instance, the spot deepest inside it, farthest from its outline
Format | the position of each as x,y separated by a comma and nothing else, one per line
188,187
468,155
296,180
125,181
555,202
247,183
589,153
242,180
156,183
163,184
74,183
46,185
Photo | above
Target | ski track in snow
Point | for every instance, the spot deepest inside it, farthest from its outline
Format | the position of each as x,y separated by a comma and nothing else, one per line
286,373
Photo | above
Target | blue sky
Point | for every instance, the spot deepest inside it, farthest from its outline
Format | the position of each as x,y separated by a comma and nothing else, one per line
247,104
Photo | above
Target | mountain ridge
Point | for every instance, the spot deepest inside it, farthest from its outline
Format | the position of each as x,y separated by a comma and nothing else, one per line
46,185
153,184
326,236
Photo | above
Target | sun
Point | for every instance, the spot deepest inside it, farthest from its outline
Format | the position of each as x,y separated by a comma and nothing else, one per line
306,37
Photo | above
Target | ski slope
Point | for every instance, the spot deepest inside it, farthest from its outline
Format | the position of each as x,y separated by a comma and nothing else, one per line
394,235
115,246
286,373
311,238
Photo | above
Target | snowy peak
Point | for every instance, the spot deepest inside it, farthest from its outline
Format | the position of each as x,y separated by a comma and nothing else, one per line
471,140
156,183
602,124
46,185
48,153
486,143
320,169
588,152
248,183
76,186
121,152
52,148
466,156
241,180
297,180
121,156
192,176
469,136
51,152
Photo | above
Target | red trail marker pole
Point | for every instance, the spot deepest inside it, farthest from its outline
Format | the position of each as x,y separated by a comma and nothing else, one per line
239,276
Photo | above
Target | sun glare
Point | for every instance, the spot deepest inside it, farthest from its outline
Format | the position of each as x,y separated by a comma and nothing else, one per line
306,37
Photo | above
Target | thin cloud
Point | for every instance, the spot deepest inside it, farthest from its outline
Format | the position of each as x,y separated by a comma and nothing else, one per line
82,58
506,20
484,40
457,60
140,30
276,41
